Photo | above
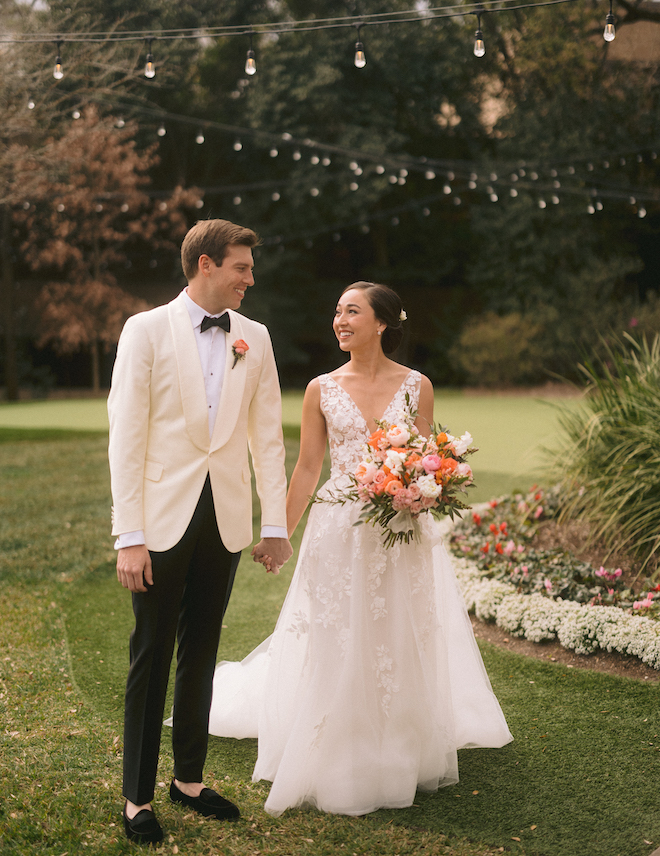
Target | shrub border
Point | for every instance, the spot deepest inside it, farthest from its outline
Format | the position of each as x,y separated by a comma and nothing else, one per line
579,627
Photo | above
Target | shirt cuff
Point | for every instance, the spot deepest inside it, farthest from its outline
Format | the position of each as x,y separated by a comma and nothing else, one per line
274,532
130,539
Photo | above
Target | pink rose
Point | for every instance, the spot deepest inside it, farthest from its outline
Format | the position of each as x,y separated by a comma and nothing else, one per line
379,477
431,463
428,501
416,506
398,436
464,470
415,492
402,499
365,472
509,547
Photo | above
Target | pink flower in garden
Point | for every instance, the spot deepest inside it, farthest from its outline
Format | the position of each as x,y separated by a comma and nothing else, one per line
521,548
525,571
538,512
548,585
522,507
633,322
509,547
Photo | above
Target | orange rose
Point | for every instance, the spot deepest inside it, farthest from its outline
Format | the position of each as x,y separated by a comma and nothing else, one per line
392,486
376,437
442,438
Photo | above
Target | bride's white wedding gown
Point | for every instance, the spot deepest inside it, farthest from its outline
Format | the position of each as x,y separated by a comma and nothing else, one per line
372,678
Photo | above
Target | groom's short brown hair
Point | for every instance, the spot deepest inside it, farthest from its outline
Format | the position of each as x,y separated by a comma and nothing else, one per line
211,238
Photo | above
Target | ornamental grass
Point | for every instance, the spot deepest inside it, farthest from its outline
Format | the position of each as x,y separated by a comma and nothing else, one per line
608,462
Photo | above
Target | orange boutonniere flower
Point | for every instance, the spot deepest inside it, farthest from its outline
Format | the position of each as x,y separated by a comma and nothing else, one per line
239,349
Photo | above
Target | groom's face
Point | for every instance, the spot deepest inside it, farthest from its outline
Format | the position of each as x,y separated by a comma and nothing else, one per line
230,280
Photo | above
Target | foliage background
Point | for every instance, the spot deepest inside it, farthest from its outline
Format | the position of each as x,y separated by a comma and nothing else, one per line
550,96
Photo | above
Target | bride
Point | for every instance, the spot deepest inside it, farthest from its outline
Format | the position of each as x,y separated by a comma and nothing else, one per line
372,678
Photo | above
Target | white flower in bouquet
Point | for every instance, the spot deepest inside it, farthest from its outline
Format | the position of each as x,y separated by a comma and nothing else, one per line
461,445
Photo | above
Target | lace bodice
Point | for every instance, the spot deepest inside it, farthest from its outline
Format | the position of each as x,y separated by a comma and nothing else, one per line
347,428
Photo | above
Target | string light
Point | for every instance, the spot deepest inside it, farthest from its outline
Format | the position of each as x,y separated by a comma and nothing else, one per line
31,105
162,130
251,60
360,59
58,74
150,67
609,32
479,45
199,139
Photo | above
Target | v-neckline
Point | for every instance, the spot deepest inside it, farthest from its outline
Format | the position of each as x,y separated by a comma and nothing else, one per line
357,409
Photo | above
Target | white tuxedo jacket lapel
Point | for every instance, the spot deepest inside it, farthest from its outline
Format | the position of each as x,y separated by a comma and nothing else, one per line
233,387
191,377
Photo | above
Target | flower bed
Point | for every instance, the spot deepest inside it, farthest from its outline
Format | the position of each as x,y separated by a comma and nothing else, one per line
547,595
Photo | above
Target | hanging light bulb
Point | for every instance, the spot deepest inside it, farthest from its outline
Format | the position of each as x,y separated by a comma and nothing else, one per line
609,32
31,105
251,60
161,131
360,59
150,66
58,74
479,45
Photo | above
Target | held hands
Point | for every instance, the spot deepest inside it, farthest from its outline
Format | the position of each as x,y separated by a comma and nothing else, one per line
272,553
134,568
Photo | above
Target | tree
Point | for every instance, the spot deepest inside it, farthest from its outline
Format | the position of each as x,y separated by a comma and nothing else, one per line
85,208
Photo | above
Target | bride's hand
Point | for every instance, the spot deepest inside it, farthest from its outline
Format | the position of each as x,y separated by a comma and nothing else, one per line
259,554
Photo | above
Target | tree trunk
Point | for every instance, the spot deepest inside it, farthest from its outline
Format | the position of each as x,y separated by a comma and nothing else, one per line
7,305
96,366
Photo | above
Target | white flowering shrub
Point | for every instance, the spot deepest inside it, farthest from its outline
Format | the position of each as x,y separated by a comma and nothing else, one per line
580,627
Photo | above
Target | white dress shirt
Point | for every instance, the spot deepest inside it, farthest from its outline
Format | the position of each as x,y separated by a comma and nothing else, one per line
212,349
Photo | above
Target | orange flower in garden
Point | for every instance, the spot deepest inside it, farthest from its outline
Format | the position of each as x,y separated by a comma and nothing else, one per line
498,548
376,437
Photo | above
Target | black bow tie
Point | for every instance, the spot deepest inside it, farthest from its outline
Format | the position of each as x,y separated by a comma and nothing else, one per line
223,321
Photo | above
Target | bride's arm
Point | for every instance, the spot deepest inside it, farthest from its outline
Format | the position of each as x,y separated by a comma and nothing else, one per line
424,419
313,436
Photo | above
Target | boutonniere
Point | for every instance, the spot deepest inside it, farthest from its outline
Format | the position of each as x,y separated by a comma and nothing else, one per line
239,349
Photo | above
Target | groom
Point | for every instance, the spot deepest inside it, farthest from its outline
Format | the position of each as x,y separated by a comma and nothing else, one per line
194,385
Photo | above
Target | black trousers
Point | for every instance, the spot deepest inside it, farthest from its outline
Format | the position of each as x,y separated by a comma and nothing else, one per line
188,599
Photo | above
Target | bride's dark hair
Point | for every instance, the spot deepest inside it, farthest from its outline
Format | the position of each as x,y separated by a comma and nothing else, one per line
387,307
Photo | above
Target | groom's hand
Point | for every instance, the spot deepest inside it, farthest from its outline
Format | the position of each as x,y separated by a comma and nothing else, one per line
272,553
134,568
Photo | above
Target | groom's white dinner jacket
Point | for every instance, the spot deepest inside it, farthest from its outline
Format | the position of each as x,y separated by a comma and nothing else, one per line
160,451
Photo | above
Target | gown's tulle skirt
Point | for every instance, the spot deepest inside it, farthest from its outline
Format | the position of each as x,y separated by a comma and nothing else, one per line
371,680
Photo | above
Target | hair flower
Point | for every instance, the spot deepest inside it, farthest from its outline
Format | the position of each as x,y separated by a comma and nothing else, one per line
402,315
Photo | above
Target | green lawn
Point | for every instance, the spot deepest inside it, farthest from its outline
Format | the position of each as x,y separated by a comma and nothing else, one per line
510,430
579,780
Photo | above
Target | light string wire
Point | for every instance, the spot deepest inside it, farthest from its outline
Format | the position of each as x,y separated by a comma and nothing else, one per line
278,28
420,163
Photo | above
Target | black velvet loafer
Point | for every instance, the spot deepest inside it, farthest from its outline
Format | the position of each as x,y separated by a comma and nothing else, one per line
143,828
209,803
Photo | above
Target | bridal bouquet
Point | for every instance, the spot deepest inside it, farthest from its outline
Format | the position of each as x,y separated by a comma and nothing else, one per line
404,474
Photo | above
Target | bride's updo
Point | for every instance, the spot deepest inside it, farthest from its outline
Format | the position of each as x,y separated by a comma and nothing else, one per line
388,309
